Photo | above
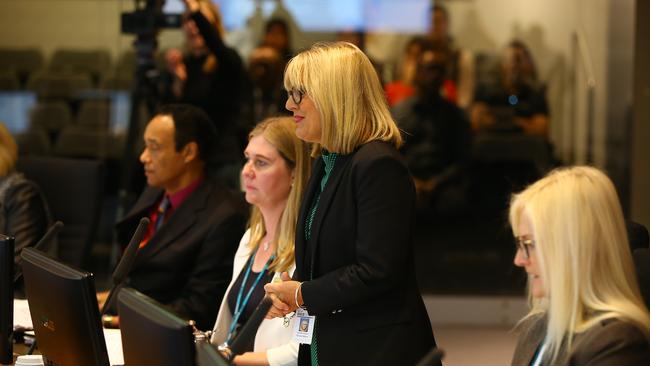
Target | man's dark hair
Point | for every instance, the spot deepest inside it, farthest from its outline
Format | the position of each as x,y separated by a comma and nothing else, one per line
192,124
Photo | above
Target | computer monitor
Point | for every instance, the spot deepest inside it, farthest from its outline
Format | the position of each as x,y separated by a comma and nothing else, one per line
6,298
207,355
151,334
64,310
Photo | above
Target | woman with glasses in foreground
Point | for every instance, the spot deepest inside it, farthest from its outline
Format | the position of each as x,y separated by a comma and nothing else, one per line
354,257
572,242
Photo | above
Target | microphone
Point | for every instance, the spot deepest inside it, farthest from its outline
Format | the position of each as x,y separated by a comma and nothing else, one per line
247,334
126,262
42,245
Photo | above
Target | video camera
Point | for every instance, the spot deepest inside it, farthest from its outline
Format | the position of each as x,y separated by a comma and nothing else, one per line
148,17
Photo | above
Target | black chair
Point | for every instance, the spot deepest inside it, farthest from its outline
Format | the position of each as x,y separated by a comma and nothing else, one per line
503,163
74,189
639,244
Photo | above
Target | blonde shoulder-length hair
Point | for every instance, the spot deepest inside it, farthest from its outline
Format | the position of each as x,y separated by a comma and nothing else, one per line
8,151
346,90
281,133
582,248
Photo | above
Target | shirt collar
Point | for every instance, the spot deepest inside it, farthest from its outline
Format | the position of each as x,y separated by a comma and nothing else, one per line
329,159
177,198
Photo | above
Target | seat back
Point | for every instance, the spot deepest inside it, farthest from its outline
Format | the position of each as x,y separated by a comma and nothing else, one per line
74,189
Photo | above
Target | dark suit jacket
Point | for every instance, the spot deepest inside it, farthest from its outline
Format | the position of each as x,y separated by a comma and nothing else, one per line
187,264
364,292
611,343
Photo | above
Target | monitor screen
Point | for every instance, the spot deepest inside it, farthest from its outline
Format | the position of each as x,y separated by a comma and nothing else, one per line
64,310
151,334
6,298
15,109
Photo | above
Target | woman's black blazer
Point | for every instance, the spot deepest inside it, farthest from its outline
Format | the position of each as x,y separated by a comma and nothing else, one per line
364,293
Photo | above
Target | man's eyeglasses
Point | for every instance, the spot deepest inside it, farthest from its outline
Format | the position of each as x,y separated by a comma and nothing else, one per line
525,245
296,95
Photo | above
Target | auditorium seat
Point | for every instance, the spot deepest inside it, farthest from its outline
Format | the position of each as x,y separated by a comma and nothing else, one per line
94,115
23,61
95,63
81,142
34,141
59,85
51,117
74,189
9,80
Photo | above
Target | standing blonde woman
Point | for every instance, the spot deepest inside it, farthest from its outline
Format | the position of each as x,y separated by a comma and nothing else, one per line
354,256
572,242
273,178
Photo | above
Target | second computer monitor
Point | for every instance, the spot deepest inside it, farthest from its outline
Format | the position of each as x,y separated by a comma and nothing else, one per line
151,335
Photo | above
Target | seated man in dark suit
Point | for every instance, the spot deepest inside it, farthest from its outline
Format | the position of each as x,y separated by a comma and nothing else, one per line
185,258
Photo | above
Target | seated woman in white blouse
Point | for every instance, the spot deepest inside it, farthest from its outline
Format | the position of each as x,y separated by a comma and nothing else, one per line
273,178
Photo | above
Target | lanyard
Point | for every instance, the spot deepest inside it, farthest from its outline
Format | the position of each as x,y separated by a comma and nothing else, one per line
241,305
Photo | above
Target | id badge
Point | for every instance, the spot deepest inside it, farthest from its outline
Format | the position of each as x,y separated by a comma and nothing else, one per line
303,327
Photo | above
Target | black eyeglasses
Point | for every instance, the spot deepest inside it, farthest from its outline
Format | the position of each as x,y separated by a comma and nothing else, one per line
525,245
296,95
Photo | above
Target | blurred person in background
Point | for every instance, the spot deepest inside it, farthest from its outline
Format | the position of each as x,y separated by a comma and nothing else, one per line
459,68
211,76
518,103
437,138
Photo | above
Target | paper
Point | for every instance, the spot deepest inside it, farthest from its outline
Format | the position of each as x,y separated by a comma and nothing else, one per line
22,317
113,339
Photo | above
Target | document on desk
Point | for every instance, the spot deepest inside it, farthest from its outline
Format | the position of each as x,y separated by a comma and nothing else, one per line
22,317
113,339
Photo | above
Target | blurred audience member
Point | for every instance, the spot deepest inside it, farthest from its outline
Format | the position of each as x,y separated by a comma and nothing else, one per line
518,103
586,308
23,210
210,75
459,66
277,36
358,38
402,87
266,68
438,136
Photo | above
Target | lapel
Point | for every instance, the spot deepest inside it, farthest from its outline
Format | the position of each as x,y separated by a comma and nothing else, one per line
532,334
326,198
180,221
307,199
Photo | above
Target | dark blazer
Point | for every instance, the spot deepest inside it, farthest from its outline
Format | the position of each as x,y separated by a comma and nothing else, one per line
611,343
364,292
187,264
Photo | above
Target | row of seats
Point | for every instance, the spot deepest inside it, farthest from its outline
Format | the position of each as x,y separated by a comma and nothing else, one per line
73,141
26,68
53,116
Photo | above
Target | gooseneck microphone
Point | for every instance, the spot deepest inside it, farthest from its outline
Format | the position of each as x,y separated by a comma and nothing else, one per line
247,334
42,245
126,262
